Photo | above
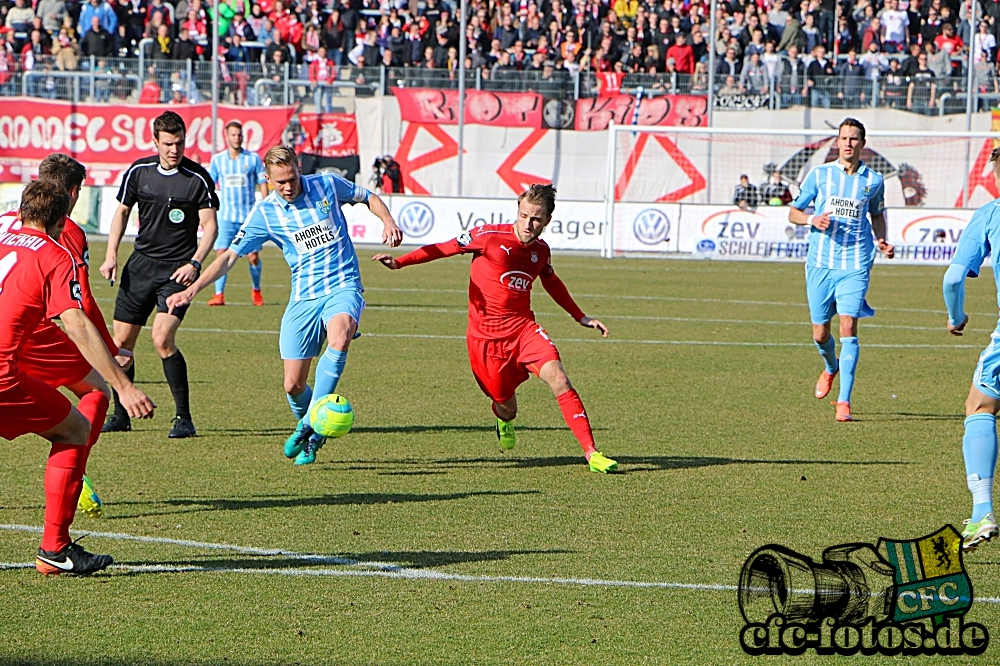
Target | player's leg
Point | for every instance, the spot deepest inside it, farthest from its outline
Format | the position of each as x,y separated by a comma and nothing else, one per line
256,267
176,372
821,297
300,341
849,292
219,297
979,446
342,314
125,334
227,231
494,365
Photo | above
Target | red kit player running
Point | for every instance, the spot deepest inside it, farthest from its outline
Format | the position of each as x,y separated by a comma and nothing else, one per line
48,354
505,342
38,280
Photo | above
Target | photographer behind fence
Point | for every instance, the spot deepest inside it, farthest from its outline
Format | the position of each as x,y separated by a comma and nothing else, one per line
387,176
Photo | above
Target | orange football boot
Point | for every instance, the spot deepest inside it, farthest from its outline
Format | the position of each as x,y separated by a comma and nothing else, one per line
218,299
258,298
824,383
844,411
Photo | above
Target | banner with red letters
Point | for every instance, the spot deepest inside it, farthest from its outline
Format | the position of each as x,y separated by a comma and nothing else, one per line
108,138
329,134
429,106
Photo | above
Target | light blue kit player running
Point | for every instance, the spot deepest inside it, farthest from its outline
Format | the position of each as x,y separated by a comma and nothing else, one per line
238,175
979,445
842,243
303,217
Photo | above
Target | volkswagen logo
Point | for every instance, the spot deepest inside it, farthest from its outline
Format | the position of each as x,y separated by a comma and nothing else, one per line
416,219
651,226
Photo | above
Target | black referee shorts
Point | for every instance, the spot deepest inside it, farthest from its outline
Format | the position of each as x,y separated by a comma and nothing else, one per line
145,285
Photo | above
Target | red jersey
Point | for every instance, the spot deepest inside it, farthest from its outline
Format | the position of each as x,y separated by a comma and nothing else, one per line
500,278
74,239
38,280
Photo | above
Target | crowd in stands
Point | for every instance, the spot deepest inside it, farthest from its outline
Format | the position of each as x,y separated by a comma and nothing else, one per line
815,51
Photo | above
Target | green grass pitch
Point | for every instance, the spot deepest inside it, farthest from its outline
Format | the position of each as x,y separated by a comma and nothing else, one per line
722,449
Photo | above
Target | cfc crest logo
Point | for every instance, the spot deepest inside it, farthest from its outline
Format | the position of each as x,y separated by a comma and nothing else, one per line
324,206
416,219
899,597
651,226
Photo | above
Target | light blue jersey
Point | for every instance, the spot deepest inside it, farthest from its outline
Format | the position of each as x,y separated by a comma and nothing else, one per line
311,232
238,180
848,243
977,241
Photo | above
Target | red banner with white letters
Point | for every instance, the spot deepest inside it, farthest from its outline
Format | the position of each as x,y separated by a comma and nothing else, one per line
329,134
108,138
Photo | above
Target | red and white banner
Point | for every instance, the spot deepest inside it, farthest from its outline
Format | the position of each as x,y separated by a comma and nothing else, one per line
108,138
429,106
596,113
329,134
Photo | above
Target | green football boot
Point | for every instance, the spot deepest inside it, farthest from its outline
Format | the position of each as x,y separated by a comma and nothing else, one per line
599,463
90,503
308,454
978,532
295,443
505,433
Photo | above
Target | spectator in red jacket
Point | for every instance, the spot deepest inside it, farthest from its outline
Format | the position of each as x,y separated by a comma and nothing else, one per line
682,54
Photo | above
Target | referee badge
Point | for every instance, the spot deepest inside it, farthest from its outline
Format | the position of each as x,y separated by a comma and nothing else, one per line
176,215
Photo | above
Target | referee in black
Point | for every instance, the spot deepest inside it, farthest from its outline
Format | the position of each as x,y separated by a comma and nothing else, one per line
174,196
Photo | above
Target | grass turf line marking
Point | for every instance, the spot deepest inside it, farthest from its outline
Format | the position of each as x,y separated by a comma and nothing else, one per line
693,343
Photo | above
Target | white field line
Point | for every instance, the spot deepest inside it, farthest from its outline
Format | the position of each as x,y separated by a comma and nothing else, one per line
693,343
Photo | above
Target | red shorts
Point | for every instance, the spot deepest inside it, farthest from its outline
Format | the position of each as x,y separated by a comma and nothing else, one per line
28,405
500,366
50,356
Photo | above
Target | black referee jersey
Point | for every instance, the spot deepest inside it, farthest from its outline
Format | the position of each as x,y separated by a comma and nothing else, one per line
169,201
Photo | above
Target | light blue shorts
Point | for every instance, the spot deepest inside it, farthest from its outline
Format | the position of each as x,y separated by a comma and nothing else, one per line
831,290
986,378
227,232
303,326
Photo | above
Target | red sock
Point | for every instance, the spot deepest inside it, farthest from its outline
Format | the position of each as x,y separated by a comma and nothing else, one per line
576,418
63,480
94,407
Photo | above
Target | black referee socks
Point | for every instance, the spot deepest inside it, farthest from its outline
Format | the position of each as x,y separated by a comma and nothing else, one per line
176,370
119,410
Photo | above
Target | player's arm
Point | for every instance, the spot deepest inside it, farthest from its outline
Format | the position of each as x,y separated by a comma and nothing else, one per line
188,273
422,255
973,248
953,289
556,288
880,229
109,269
807,195
88,340
391,233
222,265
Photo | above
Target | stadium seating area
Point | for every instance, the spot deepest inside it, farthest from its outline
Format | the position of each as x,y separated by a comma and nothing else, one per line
910,55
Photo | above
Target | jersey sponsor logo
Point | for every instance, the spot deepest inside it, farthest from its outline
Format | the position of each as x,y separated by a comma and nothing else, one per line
844,207
235,181
416,219
75,291
176,215
651,226
314,237
464,239
516,280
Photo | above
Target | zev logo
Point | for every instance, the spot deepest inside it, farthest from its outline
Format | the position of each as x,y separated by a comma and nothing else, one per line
416,219
516,280
651,226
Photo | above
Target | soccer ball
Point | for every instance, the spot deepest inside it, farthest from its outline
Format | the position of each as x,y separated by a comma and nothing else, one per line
332,416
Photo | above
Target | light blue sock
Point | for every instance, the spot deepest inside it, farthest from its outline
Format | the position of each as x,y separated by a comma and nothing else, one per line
328,371
828,351
979,448
255,274
848,364
300,403
220,284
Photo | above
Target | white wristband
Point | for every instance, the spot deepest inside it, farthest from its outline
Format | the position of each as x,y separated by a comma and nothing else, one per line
809,220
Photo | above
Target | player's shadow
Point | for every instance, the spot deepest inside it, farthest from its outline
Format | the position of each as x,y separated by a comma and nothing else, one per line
916,416
373,561
627,464
198,505
420,429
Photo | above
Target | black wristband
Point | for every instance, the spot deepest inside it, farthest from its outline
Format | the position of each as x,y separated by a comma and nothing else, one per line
196,264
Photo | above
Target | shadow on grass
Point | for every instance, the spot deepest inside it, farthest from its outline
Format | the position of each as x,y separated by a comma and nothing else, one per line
388,561
915,416
395,430
626,463
197,505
